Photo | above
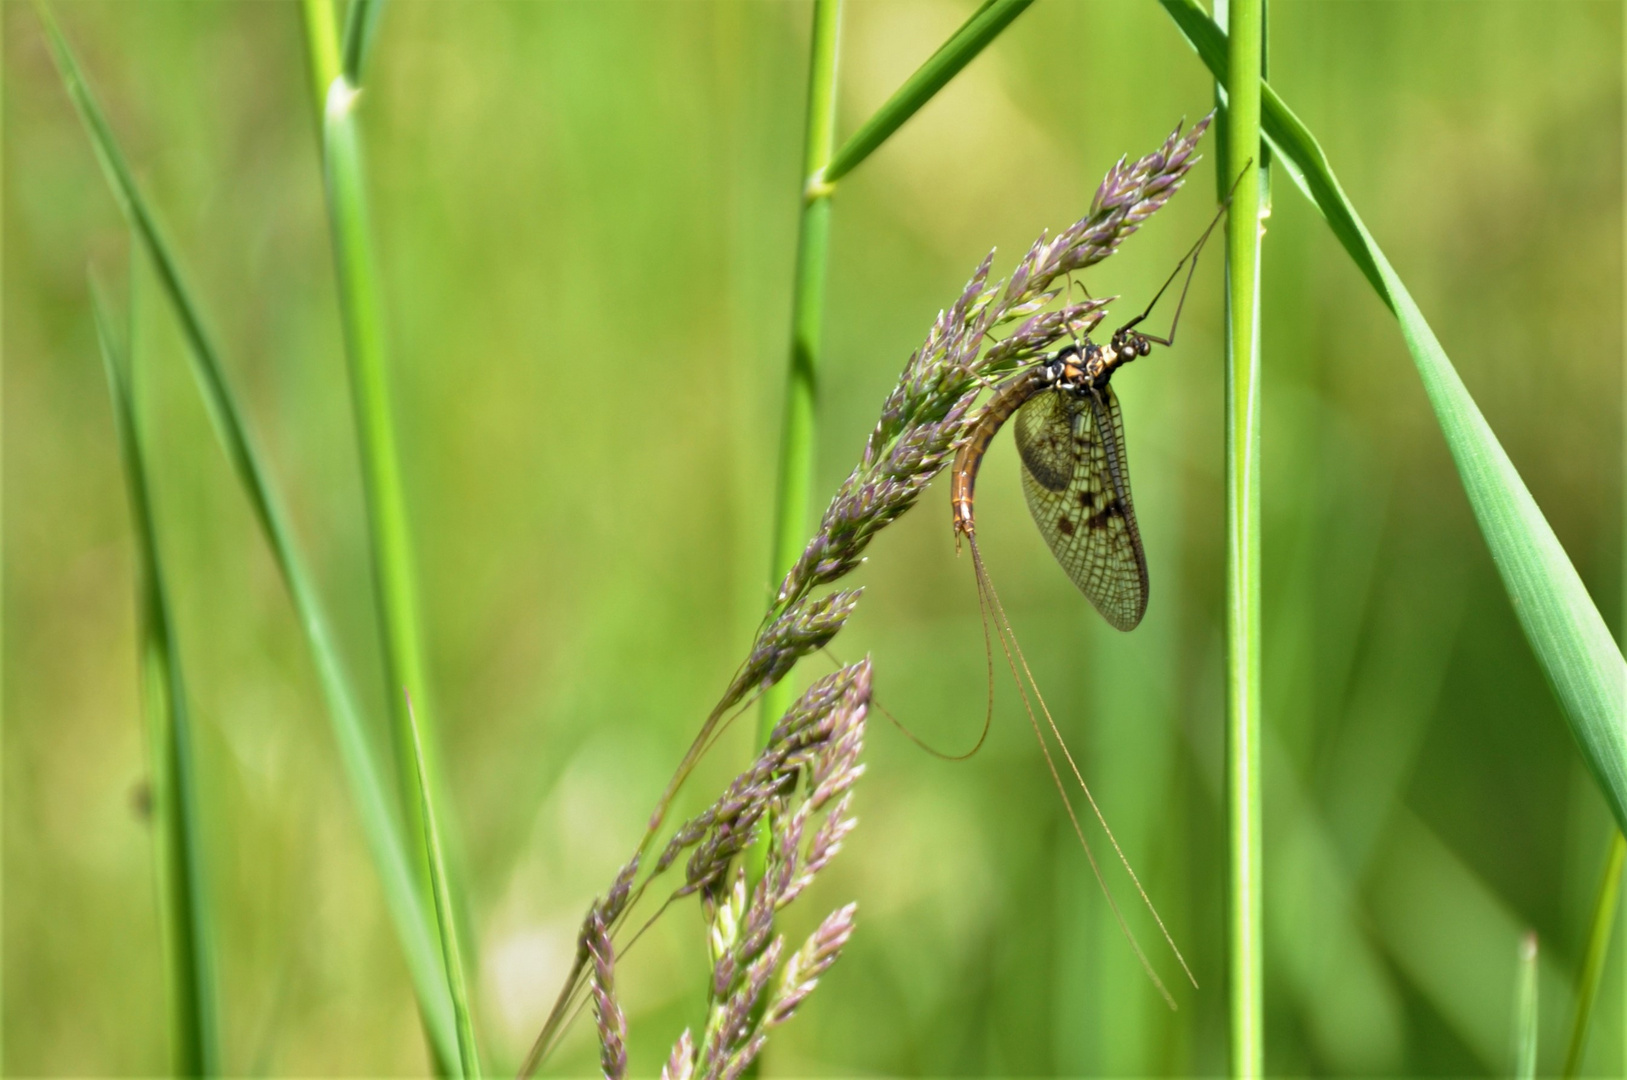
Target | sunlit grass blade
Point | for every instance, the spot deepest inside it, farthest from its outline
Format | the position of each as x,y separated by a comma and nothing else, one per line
451,955
1561,623
1244,937
183,889
1591,972
954,54
379,824
1525,1011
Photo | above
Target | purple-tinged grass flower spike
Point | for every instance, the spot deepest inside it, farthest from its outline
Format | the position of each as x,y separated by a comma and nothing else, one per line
607,1014
811,762
681,1063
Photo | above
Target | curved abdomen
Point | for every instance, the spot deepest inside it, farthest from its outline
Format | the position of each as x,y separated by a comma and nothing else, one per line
1008,397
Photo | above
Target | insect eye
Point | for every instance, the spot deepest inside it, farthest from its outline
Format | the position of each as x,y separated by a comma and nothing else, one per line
1143,346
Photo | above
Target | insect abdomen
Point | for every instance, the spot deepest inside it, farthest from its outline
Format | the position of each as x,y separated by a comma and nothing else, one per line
1008,397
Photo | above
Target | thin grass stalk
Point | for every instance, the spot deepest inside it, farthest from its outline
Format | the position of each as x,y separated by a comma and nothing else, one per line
1244,932
1591,973
974,35
322,53
1525,1010
389,534
1561,623
390,540
183,890
821,170
451,955
797,424
382,831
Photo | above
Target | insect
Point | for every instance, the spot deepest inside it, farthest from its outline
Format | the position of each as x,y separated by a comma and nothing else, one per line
1076,475
1070,437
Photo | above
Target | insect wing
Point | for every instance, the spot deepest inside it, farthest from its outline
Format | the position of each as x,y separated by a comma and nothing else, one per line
1045,440
1077,481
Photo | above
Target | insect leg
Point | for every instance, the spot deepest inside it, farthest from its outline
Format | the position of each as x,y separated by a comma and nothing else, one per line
1197,249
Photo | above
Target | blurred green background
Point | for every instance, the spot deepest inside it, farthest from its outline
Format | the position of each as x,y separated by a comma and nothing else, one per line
586,215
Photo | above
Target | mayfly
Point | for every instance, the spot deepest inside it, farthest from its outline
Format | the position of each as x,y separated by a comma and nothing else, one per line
1076,477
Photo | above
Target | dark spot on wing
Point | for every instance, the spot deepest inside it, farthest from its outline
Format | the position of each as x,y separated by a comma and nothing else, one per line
1110,510
1085,499
1065,526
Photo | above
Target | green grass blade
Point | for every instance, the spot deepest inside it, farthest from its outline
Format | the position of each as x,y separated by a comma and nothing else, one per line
183,891
1245,942
962,47
361,26
451,955
380,826
1565,630
1525,1011
1591,973
796,462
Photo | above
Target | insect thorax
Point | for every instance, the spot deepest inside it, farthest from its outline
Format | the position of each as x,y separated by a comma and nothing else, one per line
1080,368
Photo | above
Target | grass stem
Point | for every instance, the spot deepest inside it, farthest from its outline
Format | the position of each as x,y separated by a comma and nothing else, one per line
183,891
1591,972
1244,935
451,954
394,578
321,50
797,428
361,310
821,169
1525,1011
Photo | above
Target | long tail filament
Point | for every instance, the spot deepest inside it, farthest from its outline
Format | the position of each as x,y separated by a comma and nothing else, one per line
989,604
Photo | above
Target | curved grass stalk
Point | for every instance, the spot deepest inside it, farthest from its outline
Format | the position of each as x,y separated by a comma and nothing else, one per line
183,889
1591,972
451,955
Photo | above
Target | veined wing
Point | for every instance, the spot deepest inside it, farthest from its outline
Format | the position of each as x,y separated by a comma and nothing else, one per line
1077,481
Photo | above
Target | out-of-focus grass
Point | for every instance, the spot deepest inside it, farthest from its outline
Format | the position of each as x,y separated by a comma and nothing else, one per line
1525,1016
585,221
391,861
457,982
172,789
